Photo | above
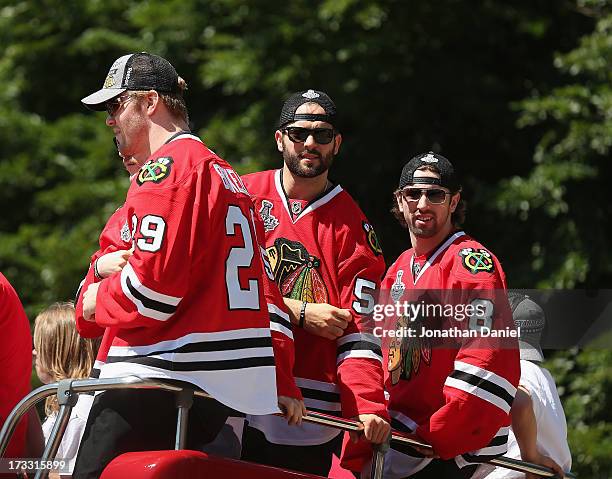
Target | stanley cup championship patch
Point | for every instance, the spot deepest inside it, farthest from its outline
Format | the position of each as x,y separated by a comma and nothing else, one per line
371,238
477,260
269,220
155,171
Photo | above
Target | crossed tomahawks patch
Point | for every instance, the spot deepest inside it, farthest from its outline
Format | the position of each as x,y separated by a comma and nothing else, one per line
477,260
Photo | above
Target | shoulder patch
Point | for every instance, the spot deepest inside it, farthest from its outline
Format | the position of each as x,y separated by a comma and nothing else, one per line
477,260
155,171
371,238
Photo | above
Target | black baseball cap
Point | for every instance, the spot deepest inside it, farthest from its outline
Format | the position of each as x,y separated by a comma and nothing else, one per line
448,178
288,114
136,71
529,317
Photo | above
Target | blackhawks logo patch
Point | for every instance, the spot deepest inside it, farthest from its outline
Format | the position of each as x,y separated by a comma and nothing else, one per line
297,272
477,260
407,354
371,238
155,171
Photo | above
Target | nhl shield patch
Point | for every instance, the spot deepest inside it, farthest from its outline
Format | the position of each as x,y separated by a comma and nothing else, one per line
477,260
155,171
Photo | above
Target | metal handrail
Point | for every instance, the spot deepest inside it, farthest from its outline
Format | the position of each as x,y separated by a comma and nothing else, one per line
69,389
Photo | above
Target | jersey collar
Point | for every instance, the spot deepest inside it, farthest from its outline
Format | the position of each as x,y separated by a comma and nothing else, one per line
313,205
437,252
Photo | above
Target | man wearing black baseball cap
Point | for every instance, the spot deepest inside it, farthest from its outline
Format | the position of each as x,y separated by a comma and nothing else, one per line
454,395
185,306
327,261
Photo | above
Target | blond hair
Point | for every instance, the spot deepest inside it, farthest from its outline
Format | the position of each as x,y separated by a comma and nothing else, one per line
60,350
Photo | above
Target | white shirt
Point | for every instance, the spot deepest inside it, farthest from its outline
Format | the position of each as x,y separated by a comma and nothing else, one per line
74,431
550,418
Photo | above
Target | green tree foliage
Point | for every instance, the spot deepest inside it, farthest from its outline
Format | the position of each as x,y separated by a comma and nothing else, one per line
563,204
562,209
584,382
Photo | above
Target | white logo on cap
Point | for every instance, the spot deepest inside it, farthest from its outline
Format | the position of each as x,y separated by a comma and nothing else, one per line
311,94
430,159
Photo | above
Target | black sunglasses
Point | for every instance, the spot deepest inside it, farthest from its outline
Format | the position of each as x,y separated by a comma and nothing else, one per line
322,136
435,196
113,105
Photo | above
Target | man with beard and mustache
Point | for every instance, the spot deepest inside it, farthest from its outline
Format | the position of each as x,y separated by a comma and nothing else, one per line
454,394
327,262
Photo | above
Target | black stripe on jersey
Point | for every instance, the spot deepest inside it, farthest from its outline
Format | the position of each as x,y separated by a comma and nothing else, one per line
483,384
400,426
359,345
496,441
328,396
405,449
193,366
148,302
480,458
276,318
210,346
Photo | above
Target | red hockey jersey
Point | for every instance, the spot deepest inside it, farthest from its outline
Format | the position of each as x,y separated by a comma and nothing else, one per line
190,303
454,393
15,363
115,236
325,253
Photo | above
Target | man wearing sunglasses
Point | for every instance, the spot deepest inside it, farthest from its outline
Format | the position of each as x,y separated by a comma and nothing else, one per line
454,391
328,263
190,303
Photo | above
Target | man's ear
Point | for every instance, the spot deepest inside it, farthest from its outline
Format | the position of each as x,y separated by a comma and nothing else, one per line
399,204
152,101
278,136
337,143
454,201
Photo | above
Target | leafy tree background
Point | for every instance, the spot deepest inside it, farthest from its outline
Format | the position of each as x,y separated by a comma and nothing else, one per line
517,94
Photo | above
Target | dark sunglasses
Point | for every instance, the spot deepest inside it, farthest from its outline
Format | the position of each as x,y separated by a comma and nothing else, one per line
322,136
112,106
435,196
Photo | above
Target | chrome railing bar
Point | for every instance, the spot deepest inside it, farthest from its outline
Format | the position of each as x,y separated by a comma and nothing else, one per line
134,382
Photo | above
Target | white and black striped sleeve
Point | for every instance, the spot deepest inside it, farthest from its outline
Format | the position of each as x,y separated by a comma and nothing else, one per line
148,302
482,383
359,345
279,321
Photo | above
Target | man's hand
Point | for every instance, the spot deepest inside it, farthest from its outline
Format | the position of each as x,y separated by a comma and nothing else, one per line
89,302
326,320
543,460
375,429
113,262
293,409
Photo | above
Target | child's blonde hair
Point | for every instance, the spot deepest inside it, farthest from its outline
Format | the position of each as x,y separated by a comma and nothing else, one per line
60,350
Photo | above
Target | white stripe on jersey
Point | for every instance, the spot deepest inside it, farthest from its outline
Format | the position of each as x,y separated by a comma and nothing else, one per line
487,377
153,298
284,325
349,347
191,338
320,385
359,353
